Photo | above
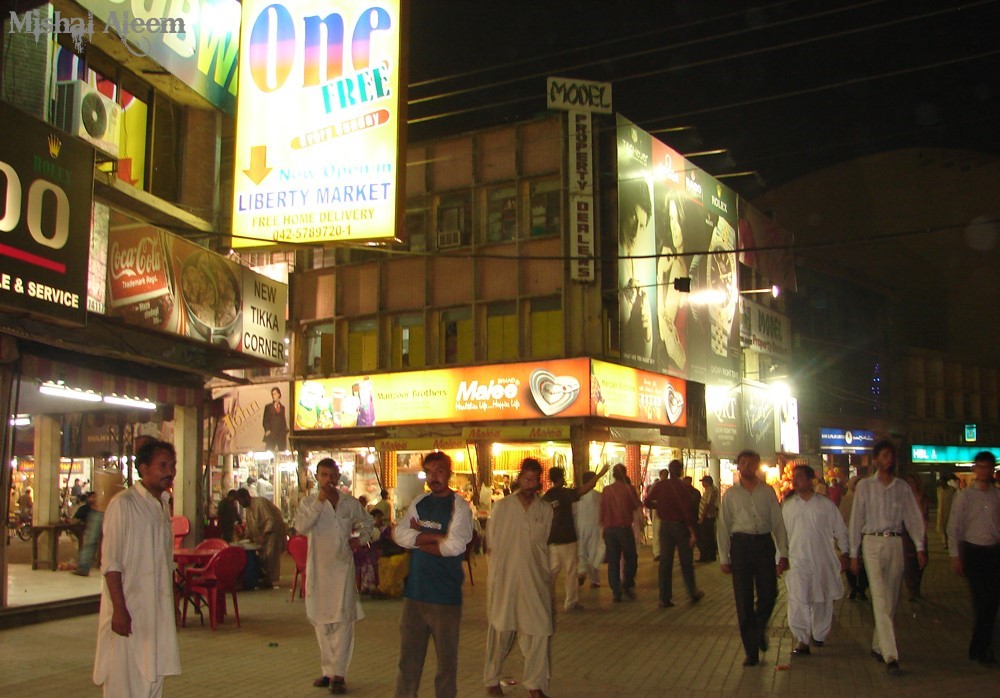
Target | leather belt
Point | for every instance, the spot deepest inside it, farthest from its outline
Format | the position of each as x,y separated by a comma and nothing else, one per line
885,534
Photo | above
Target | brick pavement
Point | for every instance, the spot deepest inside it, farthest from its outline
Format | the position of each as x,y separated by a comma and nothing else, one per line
627,649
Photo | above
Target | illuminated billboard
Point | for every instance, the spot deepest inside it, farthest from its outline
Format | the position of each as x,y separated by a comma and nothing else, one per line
320,122
559,388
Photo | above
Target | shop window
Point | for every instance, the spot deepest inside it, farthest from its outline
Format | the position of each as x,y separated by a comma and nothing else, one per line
501,332
416,227
362,346
547,326
408,342
546,207
454,215
501,214
455,335
318,343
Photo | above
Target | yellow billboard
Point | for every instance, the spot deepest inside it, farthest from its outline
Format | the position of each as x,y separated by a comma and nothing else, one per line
320,122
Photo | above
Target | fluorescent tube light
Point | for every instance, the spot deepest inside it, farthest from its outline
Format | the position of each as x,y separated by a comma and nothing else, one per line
62,390
129,402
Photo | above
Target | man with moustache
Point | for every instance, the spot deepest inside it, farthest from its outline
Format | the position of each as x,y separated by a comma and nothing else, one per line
329,520
137,562
974,531
750,528
436,529
883,506
519,598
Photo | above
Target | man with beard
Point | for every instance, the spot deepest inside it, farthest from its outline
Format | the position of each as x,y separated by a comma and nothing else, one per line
436,528
138,566
519,599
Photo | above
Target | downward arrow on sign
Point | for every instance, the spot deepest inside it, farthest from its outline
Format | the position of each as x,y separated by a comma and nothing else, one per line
258,164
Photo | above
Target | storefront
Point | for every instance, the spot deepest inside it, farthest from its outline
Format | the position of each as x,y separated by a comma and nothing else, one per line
931,462
847,452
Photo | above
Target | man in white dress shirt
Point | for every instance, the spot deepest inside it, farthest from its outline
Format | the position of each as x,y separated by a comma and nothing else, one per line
974,531
136,632
883,506
329,519
813,582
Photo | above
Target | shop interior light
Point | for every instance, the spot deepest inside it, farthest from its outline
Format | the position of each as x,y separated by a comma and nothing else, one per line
421,475
21,420
129,402
497,449
460,457
60,389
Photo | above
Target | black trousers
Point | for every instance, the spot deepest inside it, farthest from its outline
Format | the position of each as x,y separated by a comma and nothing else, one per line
707,547
674,534
982,569
753,562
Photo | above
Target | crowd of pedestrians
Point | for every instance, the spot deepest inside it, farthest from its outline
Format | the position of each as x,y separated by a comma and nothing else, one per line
533,537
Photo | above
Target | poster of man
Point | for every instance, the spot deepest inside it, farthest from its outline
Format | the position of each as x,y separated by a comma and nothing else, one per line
255,418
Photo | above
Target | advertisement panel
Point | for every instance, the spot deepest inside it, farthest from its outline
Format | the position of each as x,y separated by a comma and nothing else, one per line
255,418
321,122
758,420
845,441
581,195
46,191
474,393
764,330
724,411
949,454
675,222
165,283
620,392
203,55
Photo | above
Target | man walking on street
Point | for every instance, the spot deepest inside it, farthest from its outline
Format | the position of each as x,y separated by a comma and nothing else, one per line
672,502
974,532
813,582
436,529
883,506
750,527
590,546
708,512
329,519
619,502
563,538
519,597
138,566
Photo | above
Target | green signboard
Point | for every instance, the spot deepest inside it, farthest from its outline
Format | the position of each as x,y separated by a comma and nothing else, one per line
949,454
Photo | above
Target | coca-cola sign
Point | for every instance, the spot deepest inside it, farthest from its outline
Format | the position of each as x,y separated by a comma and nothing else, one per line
136,267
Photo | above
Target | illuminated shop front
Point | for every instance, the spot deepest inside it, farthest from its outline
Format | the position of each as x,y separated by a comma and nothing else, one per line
847,452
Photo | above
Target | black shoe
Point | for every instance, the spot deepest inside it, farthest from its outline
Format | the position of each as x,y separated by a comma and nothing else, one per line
878,657
852,596
862,596
751,661
801,649
666,604
817,643
698,596
616,598
892,668
629,592
763,644
987,661
580,579
322,682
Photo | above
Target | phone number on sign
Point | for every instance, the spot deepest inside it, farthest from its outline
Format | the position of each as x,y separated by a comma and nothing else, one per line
317,233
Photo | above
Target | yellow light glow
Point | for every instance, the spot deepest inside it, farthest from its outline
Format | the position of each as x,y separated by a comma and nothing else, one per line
497,449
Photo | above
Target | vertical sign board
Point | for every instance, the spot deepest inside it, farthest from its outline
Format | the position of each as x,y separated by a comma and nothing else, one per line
580,98
46,190
320,122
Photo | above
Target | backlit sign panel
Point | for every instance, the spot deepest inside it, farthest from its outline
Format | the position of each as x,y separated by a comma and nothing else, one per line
320,122
845,440
949,454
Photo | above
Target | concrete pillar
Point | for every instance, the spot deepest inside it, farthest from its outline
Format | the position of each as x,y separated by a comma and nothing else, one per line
187,430
48,448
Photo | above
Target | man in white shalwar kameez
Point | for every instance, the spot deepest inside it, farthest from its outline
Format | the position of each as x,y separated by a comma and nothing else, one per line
590,546
813,580
329,518
136,632
519,590
265,527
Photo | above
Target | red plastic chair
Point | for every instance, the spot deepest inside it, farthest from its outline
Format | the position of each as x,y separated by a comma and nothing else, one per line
211,544
219,576
298,548
181,527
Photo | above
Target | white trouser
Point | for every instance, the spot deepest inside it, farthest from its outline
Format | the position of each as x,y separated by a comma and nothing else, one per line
656,534
562,557
336,645
884,564
130,684
534,648
810,620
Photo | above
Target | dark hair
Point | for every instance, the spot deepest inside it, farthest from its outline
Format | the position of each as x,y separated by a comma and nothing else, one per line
532,464
664,236
747,453
633,193
144,456
437,457
807,469
709,479
243,495
327,463
557,474
986,457
675,467
883,445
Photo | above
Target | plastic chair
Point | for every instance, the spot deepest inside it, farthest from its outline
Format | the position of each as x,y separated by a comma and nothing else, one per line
219,576
181,527
298,548
211,544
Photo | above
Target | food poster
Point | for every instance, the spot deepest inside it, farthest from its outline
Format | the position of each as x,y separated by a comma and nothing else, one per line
165,283
474,393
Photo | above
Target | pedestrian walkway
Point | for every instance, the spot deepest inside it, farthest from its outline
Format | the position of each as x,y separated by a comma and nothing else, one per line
624,649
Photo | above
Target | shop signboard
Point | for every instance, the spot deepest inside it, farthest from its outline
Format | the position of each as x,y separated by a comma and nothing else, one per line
422,443
949,454
833,440
675,222
46,189
255,419
473,393
970,433
196,40
163,282
763,330
621,392
321,122
724,409
758,419
541,432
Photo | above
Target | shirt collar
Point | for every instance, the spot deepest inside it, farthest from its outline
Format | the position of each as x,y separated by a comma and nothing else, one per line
164,496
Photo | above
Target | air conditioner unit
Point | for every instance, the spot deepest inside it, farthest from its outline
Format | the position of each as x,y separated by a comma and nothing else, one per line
87,114
449,238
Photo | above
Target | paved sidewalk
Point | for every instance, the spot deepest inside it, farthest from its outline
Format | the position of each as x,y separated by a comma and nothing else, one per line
627,649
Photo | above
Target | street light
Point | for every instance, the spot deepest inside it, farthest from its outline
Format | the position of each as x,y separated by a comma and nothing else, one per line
775,291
